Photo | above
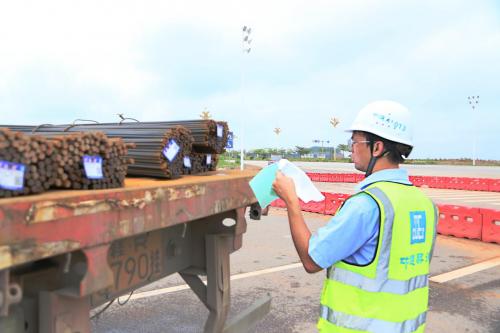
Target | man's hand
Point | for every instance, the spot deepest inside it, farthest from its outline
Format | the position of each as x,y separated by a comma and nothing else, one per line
285,188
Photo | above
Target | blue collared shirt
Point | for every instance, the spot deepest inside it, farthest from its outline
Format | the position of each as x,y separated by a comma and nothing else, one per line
352,233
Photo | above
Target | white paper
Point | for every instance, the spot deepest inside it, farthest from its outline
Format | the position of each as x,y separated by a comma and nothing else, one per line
171,149
305,189
220,130
92,166
187,162
11,175
209,159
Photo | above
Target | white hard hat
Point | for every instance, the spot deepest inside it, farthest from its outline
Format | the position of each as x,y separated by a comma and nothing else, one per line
387,119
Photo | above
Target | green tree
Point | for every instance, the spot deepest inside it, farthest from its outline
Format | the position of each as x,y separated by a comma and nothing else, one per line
302,150
343,148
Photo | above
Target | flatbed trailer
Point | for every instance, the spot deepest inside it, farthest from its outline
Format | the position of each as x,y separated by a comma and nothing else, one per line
64,253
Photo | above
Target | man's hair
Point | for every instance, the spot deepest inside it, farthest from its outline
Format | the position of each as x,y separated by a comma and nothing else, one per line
395,150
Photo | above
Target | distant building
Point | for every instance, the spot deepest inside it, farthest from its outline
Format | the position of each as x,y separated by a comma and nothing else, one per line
325,153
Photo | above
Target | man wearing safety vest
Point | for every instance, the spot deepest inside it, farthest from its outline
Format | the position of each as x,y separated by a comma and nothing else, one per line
377,248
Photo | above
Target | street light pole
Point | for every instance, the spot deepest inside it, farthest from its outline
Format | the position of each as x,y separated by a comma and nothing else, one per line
322,143
474,102
334,121
277,131
245,49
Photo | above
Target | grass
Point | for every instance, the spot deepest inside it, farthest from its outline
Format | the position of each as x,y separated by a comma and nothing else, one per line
226,162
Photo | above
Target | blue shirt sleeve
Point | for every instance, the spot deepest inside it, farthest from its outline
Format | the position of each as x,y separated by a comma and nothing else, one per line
351,235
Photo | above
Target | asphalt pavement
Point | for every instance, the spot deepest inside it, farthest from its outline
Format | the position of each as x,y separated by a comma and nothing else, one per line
467,301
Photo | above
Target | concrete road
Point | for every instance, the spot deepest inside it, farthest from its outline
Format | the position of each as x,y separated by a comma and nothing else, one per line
469,302
414,170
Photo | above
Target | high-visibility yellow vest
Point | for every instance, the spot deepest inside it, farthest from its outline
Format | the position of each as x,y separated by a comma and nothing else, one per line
389,294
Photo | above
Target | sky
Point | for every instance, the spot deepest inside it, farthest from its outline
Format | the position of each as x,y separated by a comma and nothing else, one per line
309,61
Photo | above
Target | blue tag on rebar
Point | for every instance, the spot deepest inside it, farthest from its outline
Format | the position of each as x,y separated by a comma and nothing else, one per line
171,149
92,166
11,175
187,162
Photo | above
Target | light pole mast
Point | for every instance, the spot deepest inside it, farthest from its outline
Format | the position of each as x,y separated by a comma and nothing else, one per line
246,50
474,102
335,122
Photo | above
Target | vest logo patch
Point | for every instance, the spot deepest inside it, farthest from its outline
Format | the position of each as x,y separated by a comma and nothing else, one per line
417,224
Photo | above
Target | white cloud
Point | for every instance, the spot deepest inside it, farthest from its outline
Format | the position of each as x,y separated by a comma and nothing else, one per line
310,60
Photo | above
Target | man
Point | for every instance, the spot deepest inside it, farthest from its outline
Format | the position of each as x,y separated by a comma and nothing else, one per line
377,248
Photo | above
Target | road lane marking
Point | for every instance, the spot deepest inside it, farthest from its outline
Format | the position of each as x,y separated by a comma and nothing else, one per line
441,278
168,290
483,200
445,277
463,196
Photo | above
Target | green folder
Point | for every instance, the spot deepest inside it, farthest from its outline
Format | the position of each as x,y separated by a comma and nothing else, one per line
262,185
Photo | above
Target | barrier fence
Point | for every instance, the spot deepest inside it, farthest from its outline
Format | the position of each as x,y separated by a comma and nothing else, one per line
455,183
458,221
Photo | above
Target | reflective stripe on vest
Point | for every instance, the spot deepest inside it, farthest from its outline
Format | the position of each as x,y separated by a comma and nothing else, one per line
369,324
391,293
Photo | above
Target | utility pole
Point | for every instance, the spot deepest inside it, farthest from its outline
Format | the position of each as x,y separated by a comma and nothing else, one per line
322,143
277,131
474,102
245,47
335,122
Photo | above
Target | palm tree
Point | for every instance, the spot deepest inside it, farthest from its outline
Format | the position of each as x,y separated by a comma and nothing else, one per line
205,114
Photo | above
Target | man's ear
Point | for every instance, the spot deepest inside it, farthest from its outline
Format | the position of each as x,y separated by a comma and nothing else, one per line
378,148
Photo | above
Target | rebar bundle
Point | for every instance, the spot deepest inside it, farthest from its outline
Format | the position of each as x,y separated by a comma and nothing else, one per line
209,136
203,162
26,164
89,161
160,147
160,156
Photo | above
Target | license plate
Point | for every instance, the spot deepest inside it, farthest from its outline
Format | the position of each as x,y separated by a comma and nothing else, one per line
136,260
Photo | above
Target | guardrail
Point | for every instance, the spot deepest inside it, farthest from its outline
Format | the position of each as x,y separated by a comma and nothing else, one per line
455,183
458,221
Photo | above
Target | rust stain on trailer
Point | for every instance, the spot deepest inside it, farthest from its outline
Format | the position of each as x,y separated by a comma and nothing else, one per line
5,257
226,204
128,227
28,250
124,227
51,210
186,192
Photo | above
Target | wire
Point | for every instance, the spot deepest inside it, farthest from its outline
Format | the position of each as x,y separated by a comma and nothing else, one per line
128,299
102,311
96,316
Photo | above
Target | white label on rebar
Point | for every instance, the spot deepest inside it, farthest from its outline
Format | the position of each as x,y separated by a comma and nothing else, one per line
187,162
209,159
92,166
11,175
220,130
171,149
